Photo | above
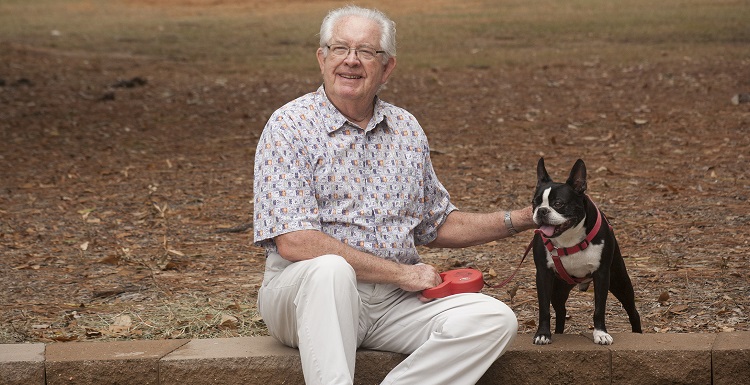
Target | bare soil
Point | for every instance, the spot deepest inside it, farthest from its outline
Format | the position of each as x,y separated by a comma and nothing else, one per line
126,182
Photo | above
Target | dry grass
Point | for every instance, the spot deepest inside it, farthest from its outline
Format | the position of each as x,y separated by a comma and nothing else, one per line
191,317
188,317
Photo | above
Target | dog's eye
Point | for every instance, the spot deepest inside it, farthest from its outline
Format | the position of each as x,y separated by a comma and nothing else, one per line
557,204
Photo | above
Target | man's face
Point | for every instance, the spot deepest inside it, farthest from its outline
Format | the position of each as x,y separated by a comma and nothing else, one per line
350,78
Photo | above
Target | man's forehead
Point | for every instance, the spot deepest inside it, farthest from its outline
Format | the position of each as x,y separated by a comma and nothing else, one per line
356,30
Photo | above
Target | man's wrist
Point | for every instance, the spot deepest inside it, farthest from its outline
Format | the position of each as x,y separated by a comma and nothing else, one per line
509,224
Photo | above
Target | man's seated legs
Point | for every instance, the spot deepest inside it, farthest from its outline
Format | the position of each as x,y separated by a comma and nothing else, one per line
313,305
452,340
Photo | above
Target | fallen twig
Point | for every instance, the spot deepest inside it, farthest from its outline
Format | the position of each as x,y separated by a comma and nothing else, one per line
236,229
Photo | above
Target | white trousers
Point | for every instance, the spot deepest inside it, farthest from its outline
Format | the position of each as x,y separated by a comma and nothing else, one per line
318,307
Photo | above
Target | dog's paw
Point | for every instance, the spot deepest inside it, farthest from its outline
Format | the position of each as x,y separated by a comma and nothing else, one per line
602,338
542,339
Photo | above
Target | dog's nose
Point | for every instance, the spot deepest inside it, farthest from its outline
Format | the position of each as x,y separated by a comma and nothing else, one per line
542,211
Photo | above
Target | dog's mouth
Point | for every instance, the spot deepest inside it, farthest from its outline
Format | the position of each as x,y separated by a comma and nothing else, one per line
551,231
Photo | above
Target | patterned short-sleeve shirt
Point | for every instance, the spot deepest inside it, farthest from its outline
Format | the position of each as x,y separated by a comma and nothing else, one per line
373,189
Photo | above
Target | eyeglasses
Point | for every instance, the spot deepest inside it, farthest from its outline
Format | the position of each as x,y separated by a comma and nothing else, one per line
339,50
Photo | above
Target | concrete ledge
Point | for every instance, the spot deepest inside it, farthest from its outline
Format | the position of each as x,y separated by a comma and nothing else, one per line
731,358
662,359
570,359
22,364
633,359
256,360
247,360
126,362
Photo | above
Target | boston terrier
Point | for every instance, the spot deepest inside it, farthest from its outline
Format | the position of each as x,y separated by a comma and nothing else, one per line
575,245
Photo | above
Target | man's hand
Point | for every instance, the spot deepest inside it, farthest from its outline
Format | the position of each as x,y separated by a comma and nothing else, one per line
419,277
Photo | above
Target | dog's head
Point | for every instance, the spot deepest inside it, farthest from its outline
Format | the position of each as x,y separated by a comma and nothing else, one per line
559,206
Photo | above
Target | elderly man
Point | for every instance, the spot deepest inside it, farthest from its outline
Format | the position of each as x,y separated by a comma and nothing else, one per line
344,191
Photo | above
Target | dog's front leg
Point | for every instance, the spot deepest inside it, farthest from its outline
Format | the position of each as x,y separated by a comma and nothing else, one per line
560,294
544,280
601,289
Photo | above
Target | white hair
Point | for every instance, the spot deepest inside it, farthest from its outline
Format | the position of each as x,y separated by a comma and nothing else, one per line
387,27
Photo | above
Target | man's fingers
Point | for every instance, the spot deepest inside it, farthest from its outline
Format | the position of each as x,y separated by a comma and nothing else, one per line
424,299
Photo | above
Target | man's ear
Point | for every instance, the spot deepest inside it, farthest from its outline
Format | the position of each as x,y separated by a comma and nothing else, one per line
389,67
321,58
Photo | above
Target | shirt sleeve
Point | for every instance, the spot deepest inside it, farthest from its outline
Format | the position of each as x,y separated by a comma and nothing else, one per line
437,205
284,199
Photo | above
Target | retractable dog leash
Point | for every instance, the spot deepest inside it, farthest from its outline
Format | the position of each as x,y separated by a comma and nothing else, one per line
507,280
472,281
466,281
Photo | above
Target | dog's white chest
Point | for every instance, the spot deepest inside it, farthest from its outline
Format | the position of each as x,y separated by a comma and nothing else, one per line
582,263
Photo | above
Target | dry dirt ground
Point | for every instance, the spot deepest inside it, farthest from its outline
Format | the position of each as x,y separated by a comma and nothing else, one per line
124,180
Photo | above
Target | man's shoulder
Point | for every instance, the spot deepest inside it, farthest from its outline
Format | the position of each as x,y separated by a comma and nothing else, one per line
394,113
391,108
398,118
305,102
307,116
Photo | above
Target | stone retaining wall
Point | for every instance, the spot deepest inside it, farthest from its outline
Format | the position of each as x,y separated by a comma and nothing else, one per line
641,359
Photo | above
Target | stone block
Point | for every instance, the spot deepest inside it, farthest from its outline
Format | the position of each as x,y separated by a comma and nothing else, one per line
107,363
570,359
22,364
731,358
257,360
372,366
243,360
644,359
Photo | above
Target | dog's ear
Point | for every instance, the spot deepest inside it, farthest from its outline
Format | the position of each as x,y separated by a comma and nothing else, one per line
541,173
577,178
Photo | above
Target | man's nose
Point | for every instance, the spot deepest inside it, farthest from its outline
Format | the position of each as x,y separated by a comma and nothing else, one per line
352,55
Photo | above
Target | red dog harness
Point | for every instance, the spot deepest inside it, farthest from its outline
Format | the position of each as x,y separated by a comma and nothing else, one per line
556,252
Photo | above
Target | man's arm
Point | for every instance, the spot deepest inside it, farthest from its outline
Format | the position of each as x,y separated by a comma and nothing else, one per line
306,244
462,229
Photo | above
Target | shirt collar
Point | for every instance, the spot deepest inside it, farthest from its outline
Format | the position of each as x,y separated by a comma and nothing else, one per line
335,120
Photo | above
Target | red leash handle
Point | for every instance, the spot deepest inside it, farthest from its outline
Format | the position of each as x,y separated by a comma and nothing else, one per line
455,282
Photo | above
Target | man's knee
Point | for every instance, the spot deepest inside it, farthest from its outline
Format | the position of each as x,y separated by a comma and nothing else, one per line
497,313
485,315
331,265
507,317
330,271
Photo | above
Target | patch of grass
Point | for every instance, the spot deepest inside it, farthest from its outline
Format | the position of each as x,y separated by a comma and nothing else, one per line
216,35
524,32
176,318
282,36
187,318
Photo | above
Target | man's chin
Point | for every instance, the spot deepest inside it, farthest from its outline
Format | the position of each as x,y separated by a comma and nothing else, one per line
346,92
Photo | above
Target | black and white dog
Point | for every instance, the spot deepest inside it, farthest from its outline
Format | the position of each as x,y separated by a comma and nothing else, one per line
575,245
